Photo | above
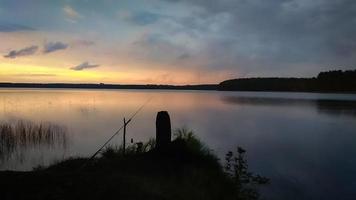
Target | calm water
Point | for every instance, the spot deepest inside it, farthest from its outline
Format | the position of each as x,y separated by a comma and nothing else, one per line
304,142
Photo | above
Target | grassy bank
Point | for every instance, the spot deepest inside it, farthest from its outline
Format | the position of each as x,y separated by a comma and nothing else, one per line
184,170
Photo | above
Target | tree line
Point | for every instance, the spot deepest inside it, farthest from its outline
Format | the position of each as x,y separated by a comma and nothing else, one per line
329,81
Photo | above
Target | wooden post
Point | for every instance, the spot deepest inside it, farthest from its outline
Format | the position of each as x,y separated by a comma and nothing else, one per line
124,138
163,129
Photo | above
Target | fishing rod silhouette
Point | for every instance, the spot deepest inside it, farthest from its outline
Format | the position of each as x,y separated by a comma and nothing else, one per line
118,131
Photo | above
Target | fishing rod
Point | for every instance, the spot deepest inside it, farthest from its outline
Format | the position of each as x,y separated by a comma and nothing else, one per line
118,131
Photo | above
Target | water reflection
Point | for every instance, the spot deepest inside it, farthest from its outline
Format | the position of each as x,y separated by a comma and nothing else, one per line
298,140
337,107
324,106
18,136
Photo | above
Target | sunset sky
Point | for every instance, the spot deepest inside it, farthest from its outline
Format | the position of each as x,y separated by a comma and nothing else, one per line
173,41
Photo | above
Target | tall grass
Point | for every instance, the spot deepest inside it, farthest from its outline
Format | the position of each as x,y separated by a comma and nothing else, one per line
23,134
137,148
193,143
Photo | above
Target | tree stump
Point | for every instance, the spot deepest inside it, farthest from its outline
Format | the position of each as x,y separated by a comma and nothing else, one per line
163,129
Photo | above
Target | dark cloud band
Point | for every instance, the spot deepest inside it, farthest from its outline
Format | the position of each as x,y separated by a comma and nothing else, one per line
5,27
84,65
54,46
22,52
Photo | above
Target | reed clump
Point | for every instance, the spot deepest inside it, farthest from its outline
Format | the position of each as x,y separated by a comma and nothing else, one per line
22,134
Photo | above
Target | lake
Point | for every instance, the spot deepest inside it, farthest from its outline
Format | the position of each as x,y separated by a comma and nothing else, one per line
304,142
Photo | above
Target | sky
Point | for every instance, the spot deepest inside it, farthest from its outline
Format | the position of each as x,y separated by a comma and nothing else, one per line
173,41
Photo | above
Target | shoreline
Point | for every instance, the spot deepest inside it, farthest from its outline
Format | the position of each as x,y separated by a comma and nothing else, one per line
207,87
153,172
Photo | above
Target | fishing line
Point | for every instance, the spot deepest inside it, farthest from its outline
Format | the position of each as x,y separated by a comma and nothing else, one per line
118,131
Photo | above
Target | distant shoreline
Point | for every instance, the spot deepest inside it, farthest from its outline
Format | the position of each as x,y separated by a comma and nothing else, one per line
326,82
108,86
207,87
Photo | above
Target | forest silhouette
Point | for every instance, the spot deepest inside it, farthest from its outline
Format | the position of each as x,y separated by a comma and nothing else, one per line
330,81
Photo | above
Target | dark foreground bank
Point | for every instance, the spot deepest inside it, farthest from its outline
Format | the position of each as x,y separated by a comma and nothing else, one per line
184,170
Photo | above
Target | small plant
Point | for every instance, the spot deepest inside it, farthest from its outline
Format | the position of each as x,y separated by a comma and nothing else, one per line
193,143
38,168
184,133
117,151
246,182
150,145
110,152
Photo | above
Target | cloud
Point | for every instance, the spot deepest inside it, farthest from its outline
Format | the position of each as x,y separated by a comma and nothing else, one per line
84,65
249,37
158,48
54,46
14,28
71,14
276,36
82,42
183,56
141,18
22,52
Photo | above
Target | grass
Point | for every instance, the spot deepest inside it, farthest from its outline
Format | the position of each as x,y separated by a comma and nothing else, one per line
23,134
193,143
185,170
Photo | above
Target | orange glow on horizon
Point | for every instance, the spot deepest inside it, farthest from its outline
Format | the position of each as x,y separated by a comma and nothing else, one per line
12,72
116,66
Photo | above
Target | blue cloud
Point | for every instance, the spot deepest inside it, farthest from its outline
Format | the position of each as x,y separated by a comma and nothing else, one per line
5,27
144,18
22,52
84,65
183,56
54,46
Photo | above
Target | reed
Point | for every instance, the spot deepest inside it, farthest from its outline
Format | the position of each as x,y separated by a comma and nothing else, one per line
21,134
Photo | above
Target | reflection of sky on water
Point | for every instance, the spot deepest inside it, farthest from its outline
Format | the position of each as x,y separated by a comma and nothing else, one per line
24,143
334,106
305,142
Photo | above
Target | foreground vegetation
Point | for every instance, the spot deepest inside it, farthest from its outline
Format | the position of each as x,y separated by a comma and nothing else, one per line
186,169
21,134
